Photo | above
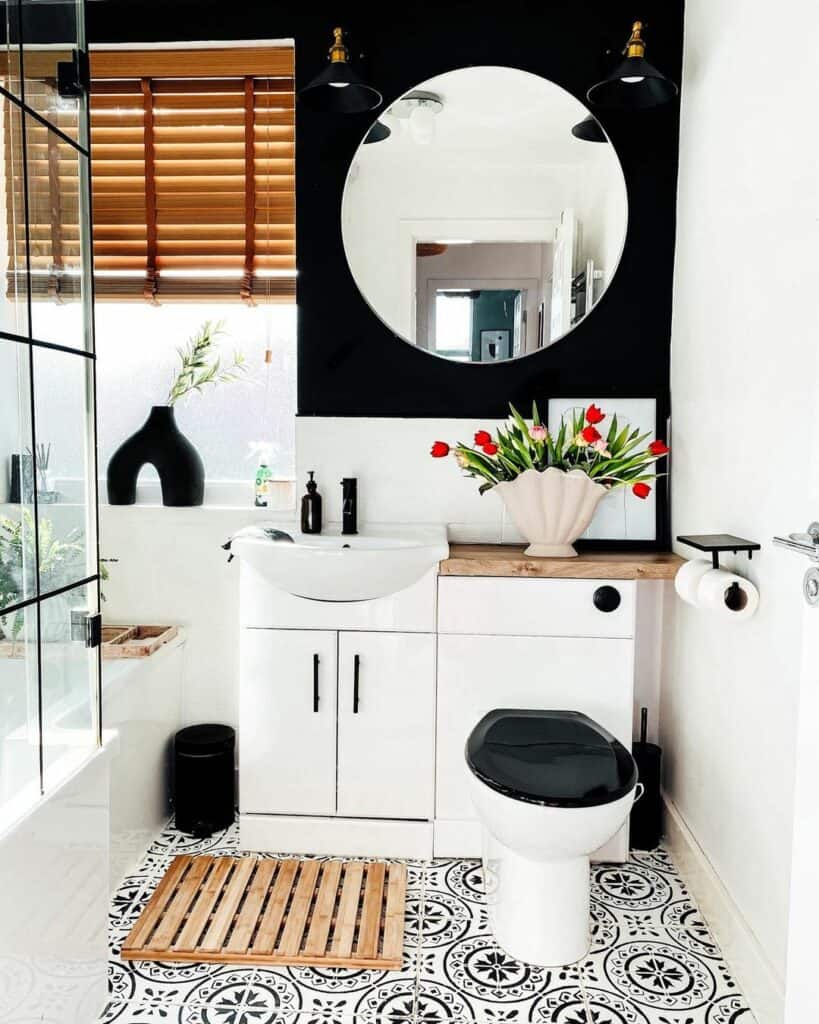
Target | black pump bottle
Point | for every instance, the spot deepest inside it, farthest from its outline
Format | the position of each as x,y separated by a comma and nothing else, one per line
311,508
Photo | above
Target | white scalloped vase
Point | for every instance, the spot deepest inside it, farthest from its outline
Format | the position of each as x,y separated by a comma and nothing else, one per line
551,508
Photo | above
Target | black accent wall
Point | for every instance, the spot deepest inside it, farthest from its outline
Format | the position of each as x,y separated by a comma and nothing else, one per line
350,364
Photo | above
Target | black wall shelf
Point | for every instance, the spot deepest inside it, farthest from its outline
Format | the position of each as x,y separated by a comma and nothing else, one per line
716,543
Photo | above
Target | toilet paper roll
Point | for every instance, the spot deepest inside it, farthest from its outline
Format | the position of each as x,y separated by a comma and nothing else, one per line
727,594
688,577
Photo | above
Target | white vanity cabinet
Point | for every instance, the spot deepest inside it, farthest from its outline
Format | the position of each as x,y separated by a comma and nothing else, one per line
337,726
524,643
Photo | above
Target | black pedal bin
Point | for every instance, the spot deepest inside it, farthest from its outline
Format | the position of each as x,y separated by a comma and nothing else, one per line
204,788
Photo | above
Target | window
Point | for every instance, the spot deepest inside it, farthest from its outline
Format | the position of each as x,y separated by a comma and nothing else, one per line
453,325
193,173
193,179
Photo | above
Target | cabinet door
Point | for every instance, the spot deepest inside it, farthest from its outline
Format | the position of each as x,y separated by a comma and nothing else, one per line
479,673
287,721
386,725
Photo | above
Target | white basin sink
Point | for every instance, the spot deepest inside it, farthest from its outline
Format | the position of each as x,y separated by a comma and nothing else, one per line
380,560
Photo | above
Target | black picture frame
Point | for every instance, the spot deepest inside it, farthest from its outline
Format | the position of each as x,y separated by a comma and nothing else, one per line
662,508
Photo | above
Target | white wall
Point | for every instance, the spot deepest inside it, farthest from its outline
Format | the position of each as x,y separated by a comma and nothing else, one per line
744,386
171,569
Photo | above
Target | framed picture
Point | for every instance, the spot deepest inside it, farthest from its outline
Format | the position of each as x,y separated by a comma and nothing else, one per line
623,520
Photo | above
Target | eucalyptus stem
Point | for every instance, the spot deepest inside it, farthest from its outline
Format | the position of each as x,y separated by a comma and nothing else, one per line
201,366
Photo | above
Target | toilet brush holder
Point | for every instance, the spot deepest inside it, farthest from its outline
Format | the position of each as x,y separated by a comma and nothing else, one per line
646,822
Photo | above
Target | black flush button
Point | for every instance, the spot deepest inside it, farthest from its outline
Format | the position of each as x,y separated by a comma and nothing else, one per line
606,599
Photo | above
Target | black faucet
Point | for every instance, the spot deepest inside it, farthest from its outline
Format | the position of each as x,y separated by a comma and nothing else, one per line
349,505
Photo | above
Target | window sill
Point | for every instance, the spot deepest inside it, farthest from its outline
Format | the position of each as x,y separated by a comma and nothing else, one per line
220,496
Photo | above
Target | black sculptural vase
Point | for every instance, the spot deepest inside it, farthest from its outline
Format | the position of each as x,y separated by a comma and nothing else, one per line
161,443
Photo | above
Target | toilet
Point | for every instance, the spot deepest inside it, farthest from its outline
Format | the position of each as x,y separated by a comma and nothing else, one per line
550,788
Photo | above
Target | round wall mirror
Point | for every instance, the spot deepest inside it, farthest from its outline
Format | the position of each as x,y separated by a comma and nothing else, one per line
484,214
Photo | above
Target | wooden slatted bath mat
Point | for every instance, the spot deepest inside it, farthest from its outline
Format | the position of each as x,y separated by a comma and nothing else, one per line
244,910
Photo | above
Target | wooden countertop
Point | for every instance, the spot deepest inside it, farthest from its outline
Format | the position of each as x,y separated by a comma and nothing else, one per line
509,560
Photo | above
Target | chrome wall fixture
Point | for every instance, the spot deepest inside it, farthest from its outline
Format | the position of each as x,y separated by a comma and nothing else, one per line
339,89
806,543
634,84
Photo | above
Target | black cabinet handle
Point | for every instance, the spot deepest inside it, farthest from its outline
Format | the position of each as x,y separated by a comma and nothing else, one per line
315,682
606,599
356,673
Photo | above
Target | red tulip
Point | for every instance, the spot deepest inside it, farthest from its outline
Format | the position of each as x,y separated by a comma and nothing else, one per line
590,434
641,490
659,448
483,437
490,449
439,450
594,414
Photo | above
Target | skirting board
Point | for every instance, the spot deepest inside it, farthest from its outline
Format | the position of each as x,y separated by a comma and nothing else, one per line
755,976
336,837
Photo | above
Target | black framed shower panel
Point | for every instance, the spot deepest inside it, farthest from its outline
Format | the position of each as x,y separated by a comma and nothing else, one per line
88,354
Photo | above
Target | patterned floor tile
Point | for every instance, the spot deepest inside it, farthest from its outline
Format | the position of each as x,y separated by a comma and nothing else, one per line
652,960
170,842
464,975
662,965
338,996
154,983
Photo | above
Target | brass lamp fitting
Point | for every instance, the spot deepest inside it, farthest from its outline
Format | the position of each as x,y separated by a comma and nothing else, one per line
338,51
636,46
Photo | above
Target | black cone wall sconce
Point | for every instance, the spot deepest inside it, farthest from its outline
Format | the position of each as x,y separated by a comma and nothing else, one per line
338,89
589,130
378,133
634,84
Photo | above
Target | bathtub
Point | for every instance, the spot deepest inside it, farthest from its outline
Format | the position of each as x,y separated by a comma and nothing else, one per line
61,854
141,709
142,706
54,902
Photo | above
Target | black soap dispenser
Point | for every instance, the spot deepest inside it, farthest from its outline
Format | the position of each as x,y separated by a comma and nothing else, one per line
311,508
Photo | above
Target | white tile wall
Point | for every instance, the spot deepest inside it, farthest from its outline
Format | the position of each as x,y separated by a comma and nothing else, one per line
398,480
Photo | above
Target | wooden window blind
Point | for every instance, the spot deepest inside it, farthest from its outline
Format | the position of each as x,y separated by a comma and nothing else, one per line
193,174
53,171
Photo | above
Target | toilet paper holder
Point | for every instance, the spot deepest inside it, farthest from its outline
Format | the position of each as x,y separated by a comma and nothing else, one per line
716,543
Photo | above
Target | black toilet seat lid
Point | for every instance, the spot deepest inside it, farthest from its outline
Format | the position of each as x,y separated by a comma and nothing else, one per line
552,758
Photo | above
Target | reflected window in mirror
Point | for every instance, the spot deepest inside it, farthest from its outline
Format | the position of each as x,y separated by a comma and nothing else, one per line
481,201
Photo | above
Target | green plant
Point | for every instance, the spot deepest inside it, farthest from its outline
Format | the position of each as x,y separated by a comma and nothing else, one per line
62,562
618,459
201,365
